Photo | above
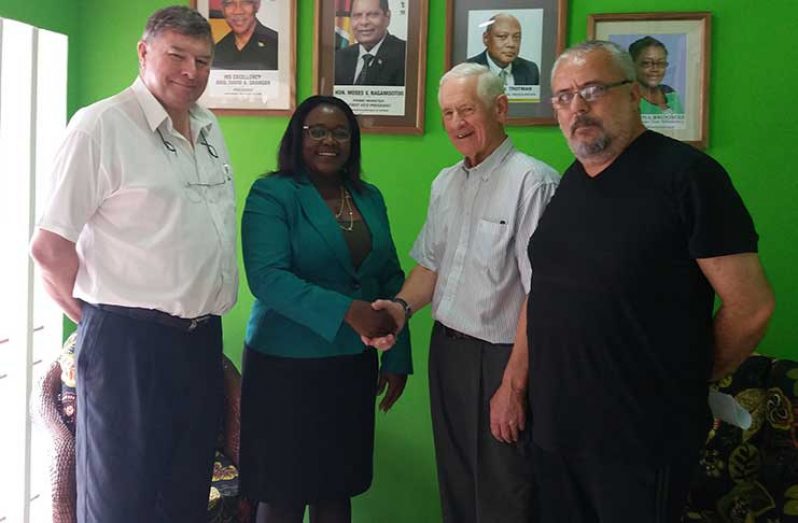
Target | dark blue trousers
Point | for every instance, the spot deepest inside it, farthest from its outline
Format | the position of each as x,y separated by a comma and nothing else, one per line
149,398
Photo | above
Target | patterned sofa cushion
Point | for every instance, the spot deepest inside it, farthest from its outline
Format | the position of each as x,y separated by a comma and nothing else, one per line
223,501
751,476
67,399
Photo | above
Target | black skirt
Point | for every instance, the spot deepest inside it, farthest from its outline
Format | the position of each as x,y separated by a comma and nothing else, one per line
307,427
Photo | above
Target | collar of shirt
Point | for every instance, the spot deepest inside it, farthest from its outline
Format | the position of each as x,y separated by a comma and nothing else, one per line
489,164
156,115
373,51
496,69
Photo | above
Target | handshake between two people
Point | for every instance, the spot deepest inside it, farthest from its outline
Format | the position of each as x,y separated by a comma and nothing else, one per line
378,323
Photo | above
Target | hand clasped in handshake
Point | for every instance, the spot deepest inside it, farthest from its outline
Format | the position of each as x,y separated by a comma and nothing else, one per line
370,322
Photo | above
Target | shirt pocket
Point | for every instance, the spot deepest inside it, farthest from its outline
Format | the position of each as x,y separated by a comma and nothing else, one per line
491,241
220,196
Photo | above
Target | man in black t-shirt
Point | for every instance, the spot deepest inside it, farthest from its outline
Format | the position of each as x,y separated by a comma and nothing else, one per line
641,235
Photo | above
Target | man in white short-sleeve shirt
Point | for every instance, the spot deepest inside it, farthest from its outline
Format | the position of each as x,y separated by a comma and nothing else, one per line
473,267
137,246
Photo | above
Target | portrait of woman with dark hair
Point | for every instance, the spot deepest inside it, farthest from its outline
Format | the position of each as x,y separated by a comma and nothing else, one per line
651,62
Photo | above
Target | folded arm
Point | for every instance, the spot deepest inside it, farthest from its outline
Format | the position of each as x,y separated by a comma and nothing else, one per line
58,260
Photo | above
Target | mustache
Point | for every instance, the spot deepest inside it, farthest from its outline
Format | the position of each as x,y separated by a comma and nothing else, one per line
584,120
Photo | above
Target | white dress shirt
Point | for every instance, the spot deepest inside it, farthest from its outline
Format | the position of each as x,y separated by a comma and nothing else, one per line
153,219
505,73
475,238
362,52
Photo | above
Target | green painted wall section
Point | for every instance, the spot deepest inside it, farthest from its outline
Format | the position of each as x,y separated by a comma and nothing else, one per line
752,130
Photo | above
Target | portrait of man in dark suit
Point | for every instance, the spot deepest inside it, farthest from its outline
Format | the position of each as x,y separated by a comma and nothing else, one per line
378,57
502,39
249,45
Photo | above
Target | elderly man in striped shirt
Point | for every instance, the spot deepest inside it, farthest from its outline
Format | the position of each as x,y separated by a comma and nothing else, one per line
473,267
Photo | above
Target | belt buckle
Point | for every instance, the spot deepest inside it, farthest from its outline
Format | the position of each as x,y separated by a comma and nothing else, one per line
195,322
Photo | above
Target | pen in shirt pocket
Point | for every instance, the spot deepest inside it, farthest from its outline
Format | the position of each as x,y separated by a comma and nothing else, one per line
227,170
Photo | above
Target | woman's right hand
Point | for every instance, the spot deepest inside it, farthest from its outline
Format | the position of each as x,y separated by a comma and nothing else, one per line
369,322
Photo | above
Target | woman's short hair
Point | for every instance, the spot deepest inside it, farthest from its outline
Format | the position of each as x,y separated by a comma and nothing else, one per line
289,159
640,45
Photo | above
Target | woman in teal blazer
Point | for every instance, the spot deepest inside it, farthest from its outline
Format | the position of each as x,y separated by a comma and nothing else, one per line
317,250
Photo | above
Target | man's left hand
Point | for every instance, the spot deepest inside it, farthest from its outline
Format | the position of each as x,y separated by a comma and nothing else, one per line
395,384
507,413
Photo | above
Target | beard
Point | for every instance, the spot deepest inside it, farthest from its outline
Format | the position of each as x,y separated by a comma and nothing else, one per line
594,147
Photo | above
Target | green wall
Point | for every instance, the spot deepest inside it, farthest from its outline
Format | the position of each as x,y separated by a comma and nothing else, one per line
752,128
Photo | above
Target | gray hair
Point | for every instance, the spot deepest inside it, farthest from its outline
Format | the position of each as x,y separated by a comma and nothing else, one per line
619,56
180,19
489,85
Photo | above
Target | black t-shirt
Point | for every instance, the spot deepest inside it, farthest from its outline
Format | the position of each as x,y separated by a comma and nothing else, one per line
620,314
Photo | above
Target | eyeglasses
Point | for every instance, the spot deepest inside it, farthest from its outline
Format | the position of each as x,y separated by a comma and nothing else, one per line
203,141
211,149
588,93
651,64
195,189
319,133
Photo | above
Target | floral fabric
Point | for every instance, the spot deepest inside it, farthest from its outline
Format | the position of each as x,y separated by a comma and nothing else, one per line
751,476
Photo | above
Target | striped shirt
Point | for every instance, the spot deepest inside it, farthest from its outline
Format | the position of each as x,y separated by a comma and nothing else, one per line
475,238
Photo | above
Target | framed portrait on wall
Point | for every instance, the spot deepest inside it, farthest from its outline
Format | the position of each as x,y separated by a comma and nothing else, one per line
518,40
671,55
372,54
254,63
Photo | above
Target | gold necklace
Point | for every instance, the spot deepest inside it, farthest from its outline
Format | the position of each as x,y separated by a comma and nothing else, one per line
345,203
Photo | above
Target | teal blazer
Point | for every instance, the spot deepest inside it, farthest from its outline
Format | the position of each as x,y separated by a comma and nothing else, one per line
301,274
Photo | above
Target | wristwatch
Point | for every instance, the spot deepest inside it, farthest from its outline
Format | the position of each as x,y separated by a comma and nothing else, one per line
405,306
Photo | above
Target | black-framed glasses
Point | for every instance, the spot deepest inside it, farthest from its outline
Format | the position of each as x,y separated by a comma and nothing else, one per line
319,133
589,93
203,141
651,64
166,143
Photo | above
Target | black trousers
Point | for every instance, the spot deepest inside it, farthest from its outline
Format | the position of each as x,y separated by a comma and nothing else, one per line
149,397
481,480
591,489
